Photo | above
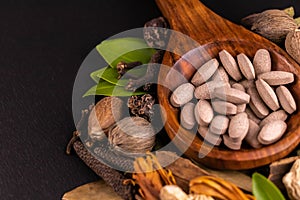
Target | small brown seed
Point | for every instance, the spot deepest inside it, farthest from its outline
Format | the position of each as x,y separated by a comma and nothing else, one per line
272,132
220,75
205,72
203,113
224,107
239,126
277,77
246,66
183,94
187,117
262,61
251,137
230,65
205,91
252,116
286,99
208,136
219,125
267,94
277,115
231,144
232,95
256,104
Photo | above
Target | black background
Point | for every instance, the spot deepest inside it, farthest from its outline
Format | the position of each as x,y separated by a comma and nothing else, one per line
42,45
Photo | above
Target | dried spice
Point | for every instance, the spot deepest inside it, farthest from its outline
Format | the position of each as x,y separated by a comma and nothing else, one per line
123,67
291,181
272,24
141,106
131,136
292,44
150,177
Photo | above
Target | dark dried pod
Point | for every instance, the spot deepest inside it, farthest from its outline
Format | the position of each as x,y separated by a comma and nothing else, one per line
105,113
132,136
274,25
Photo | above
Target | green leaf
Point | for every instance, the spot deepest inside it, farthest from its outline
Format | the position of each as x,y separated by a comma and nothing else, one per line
263,189
125,49
107,89
96,74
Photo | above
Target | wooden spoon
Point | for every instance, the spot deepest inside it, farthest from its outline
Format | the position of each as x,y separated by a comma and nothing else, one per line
214,34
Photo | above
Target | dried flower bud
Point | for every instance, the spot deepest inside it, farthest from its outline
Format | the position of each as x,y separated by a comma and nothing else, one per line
292,44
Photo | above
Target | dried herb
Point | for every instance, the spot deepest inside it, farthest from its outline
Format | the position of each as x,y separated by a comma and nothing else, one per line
141,106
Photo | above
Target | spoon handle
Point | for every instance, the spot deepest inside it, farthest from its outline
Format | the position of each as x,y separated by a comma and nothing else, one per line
193,18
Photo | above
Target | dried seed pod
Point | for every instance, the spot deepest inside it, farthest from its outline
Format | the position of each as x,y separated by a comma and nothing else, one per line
292,44
274,25
105,113
132,135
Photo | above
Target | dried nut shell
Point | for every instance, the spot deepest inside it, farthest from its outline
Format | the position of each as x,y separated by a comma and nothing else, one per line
238,126
230,65
274,25
209,137
203,113
286,99
172,192
224,107
256,104
291,181
262,61
187,117
267,94
272,132
105,113
292,44
132,135
246,66
252,116
232,144
205,91
205,72
219,125
220,75
251,137
232,95
182,94
274,78
278,115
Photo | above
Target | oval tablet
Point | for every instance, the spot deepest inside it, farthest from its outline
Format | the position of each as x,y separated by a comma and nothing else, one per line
187,117
232,95
205,72
267,94
219,125
286,99
203,113
183,94
230,65
208,136
277,77
262,61
238,126
256,103
224,107
251,137
246,66
272,132
278,115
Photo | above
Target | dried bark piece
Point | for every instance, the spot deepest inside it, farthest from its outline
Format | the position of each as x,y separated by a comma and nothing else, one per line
92,191
272,132
275,78
220,75
232,95
205,72
203,113
183,94
262,62
256,104
251,137
277,115
230,65
187,117
279,168
267,94
238,127
246,66
286,99
205,91
224,107
219,125
209,137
